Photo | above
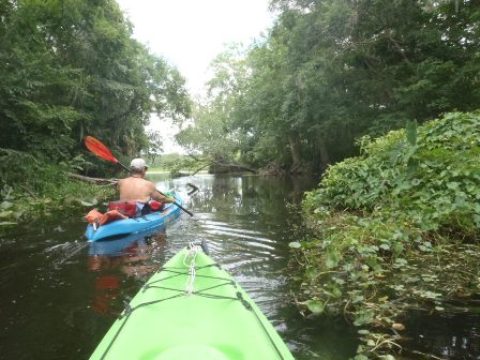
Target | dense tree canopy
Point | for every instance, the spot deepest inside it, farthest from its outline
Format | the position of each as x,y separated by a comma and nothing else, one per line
330,71
71,68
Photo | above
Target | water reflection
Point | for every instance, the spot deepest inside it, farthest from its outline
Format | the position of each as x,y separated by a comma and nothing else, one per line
455,336
248,222
59,295
115,260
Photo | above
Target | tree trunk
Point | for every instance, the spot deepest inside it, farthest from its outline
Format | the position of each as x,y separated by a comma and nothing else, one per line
98,181
322,148
295,151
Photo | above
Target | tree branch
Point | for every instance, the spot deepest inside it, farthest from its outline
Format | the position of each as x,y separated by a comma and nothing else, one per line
98,181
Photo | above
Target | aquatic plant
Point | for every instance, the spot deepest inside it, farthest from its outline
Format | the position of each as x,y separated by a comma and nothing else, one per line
32,187
394,228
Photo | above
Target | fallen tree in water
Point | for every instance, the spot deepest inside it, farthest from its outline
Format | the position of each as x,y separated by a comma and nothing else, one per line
32,187
193,164
218,167
395,228
93,180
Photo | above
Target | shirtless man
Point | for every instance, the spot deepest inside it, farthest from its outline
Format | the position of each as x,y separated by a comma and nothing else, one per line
138,189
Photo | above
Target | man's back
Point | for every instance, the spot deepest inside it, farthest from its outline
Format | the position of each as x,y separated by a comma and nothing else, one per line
135,188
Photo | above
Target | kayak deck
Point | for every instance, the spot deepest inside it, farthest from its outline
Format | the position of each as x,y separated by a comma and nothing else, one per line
192,309
139,224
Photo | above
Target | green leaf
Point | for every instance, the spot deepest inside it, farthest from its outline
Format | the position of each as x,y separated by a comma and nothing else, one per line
411,132
453,185
332,259
397,248
336,292
370,343
295,245
315,306
6,205
311,273
92,202
6,214
357,298
360,357
385,247
387,357
363,318
476,219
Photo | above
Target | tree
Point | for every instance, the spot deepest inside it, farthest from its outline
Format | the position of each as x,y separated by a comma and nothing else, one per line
71,68
331,71
155,145
212,132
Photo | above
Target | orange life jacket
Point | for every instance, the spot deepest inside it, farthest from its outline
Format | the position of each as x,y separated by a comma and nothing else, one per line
96,218
127,208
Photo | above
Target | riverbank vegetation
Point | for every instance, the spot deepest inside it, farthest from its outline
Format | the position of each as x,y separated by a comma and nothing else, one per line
70,69
33,188
329,72
396,228
177,164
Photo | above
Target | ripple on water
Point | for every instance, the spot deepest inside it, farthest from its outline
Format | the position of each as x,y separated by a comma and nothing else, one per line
52,287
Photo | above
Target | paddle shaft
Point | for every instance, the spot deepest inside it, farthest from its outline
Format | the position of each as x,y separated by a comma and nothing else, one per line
180,206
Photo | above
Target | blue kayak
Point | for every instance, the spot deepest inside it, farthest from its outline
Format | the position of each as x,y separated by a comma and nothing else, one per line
118,245
148,222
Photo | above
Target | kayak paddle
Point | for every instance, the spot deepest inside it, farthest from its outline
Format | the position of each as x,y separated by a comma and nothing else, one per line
103,152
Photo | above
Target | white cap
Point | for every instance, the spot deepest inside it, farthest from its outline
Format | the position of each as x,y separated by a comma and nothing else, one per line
138,164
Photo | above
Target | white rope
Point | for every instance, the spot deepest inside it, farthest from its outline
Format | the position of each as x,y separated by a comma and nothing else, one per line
192,254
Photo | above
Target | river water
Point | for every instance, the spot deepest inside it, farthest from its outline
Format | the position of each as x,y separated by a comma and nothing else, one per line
60,294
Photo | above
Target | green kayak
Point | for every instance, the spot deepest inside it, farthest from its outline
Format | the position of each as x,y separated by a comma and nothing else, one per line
192,309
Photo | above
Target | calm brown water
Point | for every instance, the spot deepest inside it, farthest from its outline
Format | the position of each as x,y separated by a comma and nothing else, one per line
59,295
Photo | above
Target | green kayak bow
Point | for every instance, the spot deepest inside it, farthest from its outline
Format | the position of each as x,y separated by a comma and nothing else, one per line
192,309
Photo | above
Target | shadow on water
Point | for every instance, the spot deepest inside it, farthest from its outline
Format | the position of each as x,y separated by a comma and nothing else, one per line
248,222
449,336
60,294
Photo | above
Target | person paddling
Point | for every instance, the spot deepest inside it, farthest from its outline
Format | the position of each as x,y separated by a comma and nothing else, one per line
143,192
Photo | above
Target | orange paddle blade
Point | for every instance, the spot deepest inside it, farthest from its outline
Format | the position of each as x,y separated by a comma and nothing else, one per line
99,149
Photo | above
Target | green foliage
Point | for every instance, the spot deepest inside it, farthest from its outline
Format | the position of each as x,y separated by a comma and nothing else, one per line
71,68
331,71
177,164
26,172
67,197
210,136
391,221
155,145
34,188
213,133
442,183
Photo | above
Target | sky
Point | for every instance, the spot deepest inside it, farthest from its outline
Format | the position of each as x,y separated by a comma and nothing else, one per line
190,33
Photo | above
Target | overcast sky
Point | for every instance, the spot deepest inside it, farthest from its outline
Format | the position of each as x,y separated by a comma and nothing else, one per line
190,33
